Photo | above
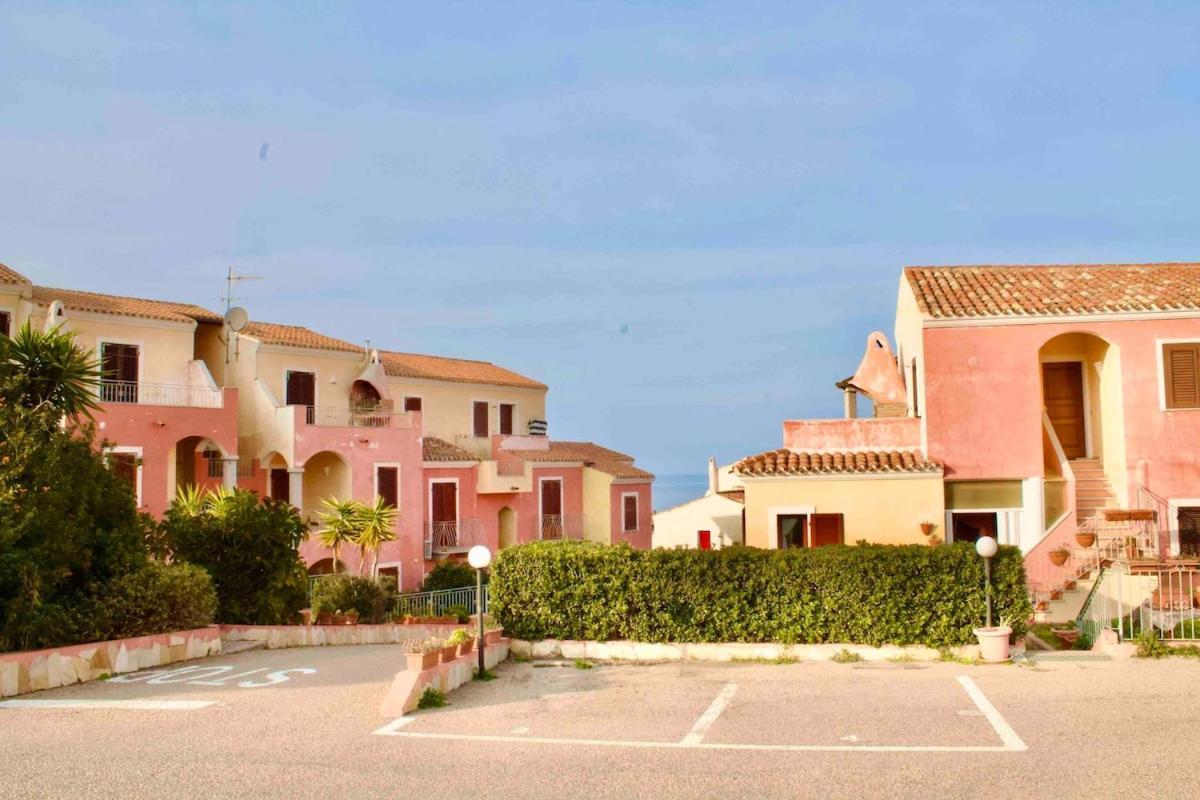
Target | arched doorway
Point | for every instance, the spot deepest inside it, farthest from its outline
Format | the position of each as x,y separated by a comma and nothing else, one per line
326,474
325,567
507,525
198,462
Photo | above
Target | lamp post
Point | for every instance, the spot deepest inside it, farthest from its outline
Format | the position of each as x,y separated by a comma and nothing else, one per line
986,547
479,557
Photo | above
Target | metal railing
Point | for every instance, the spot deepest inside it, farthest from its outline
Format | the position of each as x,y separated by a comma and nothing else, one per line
561,526
332,417
1114,540
435,604
160,394
456,536
1133,599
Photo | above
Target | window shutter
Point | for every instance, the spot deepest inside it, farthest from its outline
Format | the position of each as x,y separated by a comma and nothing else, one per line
506,419
479,412
412,404
388,482
1181,364
826,529
631,513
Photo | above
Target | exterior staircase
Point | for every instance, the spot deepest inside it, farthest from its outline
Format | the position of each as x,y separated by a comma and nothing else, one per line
1092,491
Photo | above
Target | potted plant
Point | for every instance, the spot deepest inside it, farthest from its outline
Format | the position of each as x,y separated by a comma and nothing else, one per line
1068,634
350,617
1085,538
448,651
993,642
926,528
464,640
1059,555
420,655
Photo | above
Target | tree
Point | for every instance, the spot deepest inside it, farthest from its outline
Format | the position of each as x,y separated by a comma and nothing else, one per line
339,525
45,369
373,526
249,547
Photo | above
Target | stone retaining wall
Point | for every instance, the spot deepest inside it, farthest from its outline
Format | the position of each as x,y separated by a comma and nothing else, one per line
277,637
408,686
725,651
34,670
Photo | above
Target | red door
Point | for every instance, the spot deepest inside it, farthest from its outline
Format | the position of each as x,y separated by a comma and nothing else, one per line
704,540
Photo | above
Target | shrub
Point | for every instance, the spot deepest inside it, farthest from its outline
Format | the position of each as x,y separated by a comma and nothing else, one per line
869,594
431,698
250,548
459,612
159,598
449,575
370,597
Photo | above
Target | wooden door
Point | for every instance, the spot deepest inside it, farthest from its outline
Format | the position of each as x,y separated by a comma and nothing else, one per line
302,391
826,529
445,502
1062,393
119,371
280,486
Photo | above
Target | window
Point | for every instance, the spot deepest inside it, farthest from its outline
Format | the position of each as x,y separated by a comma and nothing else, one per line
506,418
5,323
629,508
704,540
301,390
826,530
479,419
970,525
387,485
1189,531
126,465
1181,375
789,530
412,404
119,372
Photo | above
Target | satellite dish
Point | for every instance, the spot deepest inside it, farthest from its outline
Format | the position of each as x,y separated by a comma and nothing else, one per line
236,318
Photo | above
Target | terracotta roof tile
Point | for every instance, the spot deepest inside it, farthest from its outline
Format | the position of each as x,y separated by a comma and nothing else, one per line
611,462
1054,290
789,462
459,370
117,305
297,336
440,450
8,275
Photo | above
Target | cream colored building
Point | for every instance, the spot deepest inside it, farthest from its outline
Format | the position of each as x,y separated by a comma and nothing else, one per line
710,522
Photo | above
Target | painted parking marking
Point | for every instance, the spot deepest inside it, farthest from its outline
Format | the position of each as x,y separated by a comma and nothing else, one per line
1010,741
719,703
213,676
128,705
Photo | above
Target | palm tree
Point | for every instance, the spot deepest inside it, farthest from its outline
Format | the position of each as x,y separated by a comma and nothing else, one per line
339,525
40,369
375,525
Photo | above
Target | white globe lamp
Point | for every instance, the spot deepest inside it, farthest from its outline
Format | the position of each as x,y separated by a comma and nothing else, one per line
480,557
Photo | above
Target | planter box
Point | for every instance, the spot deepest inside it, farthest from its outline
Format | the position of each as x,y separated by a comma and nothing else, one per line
449,653
416,662
466,646
492,637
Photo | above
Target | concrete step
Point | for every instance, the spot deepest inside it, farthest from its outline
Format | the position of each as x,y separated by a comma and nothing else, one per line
1068,606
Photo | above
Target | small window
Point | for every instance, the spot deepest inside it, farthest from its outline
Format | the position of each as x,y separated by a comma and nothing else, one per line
789,531
506,418
479,419
704,540
387,485
5,323
412,404
1181,375
630,516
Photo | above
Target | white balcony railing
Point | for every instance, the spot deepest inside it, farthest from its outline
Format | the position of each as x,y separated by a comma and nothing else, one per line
160,394
562,526
455,536
333,417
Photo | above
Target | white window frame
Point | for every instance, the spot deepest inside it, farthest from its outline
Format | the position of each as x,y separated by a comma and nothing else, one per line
399,565
457,499
1008,523
404,402
1087,396
638,498
1173,506
1162,372
375,479
488,404
773,515
137,451
316,385
562,498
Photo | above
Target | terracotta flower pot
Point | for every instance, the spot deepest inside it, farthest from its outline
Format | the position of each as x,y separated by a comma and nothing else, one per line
492,637
449,653
1068,636
1085,539
324,618
418,662
926,528
993,644
467,646
1058,557
306,616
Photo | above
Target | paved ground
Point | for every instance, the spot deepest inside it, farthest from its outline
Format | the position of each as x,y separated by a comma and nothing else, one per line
304,723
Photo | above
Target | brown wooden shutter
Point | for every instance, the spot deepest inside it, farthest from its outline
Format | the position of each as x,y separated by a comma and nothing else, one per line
1181,364
506,419
388,480
5,323
445,496
479,414
631,513
826,529
551,498
1189,531
412,404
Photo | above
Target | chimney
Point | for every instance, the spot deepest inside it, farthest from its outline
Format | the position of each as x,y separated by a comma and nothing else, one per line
714,477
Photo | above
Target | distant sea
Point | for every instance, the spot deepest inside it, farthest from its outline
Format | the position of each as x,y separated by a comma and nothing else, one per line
672,490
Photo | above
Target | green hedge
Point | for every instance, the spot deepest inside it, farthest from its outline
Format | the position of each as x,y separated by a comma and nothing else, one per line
370,597
869,594
159,598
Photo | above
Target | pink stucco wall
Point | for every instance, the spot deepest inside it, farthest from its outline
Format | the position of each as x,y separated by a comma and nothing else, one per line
642,538
983,401
156,429
886,433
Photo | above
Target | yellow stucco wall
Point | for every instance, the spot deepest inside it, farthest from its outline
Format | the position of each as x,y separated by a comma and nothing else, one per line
719,515
879,510
165,348
597,506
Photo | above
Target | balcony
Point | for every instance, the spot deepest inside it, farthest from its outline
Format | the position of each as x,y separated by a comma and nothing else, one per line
160,394
333,417
557,527
504,477
456,536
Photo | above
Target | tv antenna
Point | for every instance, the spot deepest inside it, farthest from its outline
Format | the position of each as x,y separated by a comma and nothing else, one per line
235,316
231,280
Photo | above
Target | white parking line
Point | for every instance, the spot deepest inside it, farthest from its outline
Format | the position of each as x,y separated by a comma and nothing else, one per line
129,705
1002,728
1011,743
696,734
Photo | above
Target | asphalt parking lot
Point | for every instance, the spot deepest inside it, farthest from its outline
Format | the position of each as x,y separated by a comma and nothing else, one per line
305,723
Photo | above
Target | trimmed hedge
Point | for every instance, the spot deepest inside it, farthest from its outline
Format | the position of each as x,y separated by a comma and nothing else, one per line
868,594
159,598
370,597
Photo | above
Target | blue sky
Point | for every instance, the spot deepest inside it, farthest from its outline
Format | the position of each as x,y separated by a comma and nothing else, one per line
686,218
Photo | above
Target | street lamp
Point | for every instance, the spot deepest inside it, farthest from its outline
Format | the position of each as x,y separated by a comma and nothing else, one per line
479,557
986,547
